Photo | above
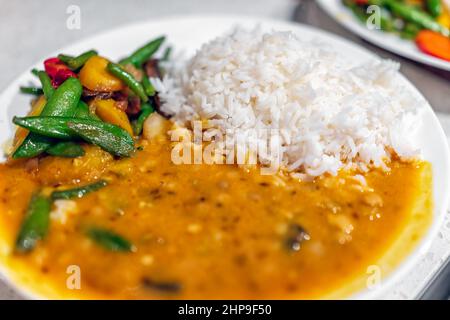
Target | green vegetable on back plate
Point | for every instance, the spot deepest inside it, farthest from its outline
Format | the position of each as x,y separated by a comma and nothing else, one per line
78,192
434,7
35,225
66,149
109,240
62,103
412,14
107,136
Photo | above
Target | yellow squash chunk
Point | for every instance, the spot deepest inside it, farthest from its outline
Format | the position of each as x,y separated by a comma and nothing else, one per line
22,133
108,112
444,18
95,77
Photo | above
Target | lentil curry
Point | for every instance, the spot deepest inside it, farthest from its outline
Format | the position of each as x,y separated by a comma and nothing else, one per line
210,231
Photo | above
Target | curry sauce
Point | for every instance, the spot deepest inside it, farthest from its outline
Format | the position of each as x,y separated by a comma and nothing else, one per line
211,231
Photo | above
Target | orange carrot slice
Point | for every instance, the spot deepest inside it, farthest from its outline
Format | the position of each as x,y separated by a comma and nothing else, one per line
434,44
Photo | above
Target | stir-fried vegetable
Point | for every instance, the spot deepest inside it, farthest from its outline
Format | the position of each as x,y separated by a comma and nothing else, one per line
66,149
84,112
31,90
109,240
95,77
108,112
144,53
409,20
78,192
84,98
46,83
62,103
75,63
107,136
128,79
148,87
138,125
36,223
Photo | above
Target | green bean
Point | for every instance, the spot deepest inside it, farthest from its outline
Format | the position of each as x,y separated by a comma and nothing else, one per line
128,79
35,225
66,149
167,53
65,58
144,53
84,112
148,87
434,7
46,83
63,103
78,192
48,127
415,15
76,63
146,110
109,240
107,136
31,90
34,71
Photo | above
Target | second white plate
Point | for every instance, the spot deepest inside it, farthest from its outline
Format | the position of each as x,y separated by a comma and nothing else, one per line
387,41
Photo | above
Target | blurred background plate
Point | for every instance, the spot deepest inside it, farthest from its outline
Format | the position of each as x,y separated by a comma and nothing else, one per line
390,42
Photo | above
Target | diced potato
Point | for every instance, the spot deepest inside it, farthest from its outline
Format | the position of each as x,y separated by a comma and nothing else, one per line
154,126
108,112
96,77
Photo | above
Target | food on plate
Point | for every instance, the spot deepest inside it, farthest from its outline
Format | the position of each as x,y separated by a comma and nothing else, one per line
427,22
264,166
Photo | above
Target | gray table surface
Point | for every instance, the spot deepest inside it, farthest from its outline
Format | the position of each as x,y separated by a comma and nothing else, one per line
31,29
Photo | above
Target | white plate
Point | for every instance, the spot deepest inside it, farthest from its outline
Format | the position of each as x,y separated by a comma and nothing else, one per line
188,33
388,41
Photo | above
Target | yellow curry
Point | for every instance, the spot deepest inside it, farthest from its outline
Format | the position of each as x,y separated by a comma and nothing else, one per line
210,231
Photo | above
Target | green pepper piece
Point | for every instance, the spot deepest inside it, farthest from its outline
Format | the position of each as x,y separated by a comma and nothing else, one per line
35,224
78,192
128,79
144,53
109,240
66,149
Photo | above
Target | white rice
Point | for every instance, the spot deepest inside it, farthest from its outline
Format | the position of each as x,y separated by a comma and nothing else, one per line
331,115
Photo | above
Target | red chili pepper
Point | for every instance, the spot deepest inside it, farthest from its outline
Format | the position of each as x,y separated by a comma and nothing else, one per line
57,71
